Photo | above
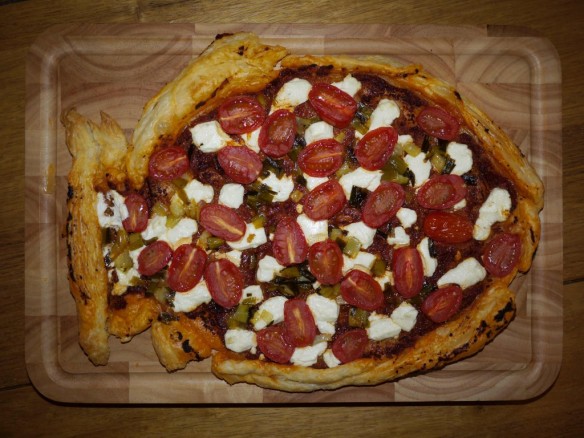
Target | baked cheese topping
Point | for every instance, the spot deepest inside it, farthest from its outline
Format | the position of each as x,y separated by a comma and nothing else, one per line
301,229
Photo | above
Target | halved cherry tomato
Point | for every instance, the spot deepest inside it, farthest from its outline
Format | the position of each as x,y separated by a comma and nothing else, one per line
324,201
277,134
375,148
300,328
289,244
350,345
502,253
154,257
225,282
325,260
442,304
448,227
272,342
438,123
360,289
321,158
137,221
240,163
223,222
408,271
186,268
333,105
241,114
383,204
441,192
168,163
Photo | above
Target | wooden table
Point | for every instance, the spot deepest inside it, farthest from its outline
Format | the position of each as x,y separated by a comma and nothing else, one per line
558,412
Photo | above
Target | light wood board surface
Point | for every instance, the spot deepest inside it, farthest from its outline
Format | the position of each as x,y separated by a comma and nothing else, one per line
558,412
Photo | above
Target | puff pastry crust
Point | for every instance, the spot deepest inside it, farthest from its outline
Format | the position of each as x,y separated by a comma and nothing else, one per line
242,64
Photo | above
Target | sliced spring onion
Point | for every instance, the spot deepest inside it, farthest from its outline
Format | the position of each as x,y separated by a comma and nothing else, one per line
258,221
203,239
120,243
172,220
177,206
358,196
214,242
345,168
192,210
160,209
290,272
352,247
330,292
358,317
123,262
135,241
378,268
412,149
296,195
240,317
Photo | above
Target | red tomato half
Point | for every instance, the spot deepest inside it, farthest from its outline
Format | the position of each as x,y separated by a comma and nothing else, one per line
223,222
300,328
225,282
324,201
289,244
137,221
277,134
383,203
168,163
272,342
375,148
241,114
325,260
360,289
154,257
448,227
441,192
438,123
502,253
408,271
186,268
321,158
333,105
240,163
350,345
442,304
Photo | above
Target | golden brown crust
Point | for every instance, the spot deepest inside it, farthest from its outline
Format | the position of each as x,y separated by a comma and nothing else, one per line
92,147
177,342
135,316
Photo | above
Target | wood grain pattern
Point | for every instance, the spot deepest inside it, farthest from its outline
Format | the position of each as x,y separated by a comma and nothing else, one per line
117,68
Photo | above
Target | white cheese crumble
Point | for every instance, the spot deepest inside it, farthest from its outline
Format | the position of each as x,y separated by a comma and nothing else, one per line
231,195
382,327
386,279
459,205
268,267
419,167
314,231
405,139
210,137
318,131
495,209
330,359
292,93
405,316
467,273
349,85
251,139
270,311
308,356
428,262
313,182
363,261
282,187
325,312
124,280
462,156
252,238
156,227
252,295
240,340
366,179
384,114
191,299
399,237
407,217
197,191
361,232
111,209
181,233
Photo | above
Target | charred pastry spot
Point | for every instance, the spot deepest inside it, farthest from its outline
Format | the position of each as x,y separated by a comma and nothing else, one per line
324,70
457,94
222,35
176,336
500,316
84,297
70,192
460,350
166,318
241,50
117,302
481,328
186,346
532,235
200,104
487,130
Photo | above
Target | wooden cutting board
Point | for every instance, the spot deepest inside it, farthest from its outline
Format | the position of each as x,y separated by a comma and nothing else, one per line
511,74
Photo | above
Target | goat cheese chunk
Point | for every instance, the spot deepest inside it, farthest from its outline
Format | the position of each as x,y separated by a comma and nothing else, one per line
252,238
496,208
314,231
325,312
197,191
384,114
462,156
270,311
111,209
209,136
428,262
318,131
308,356
468,273
349,85
240,340
405,316
382,327
361,232
231,195
366,179
268,268
420,167
191,299
292,94
281,187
